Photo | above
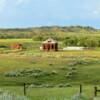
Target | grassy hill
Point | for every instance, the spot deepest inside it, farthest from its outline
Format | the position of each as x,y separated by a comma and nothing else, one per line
57,31
54,75
54,72
51,67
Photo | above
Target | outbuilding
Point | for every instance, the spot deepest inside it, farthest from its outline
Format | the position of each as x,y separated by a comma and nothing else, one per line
50,45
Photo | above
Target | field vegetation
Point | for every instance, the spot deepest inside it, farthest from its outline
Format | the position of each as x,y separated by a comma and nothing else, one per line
50,75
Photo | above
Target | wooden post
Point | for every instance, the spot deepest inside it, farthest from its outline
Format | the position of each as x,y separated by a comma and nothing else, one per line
95,91
80,88
24,89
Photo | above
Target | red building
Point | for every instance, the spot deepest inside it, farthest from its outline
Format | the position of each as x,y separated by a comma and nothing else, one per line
50,45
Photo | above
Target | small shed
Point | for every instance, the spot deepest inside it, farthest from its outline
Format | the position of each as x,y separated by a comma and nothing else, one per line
50,45
16,46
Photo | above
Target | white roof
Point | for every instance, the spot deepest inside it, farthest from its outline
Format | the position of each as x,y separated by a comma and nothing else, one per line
50,40
73,48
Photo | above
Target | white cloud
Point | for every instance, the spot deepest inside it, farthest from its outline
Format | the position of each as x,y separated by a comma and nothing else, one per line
5,4
2,5
18,2
96,12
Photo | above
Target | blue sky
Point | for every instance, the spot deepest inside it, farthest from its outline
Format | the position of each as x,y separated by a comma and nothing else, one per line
30,13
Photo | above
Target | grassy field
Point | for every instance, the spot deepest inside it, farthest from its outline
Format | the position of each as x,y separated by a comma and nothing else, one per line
68,93
87,68
52,69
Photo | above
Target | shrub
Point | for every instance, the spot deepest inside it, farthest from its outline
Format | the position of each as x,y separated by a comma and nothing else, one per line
63,68
69,75
79,61
39,85
11,96
64,85
29,72
72,68
54,72
80,97
12,74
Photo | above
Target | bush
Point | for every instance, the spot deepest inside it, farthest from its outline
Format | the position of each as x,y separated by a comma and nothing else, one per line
69,75
11,96
79,61
29,72
80,97
64,85
84,41
72,68
54,72
41,85
63,68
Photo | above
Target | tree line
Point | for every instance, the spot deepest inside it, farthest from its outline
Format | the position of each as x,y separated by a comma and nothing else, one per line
85,41
37,32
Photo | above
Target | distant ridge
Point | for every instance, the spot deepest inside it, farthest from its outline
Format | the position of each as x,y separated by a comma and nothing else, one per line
45,30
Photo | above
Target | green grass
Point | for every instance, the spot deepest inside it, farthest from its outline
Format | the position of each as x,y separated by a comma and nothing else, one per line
53,93
87,73
85,62
15,40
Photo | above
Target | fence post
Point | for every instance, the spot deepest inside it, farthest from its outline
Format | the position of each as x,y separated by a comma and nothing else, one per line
24,89
95,91
80,88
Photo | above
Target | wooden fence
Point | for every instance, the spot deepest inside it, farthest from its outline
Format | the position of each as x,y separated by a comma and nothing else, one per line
96,90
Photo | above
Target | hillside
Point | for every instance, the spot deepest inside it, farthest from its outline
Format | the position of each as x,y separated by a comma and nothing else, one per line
47,67
57,31
51,74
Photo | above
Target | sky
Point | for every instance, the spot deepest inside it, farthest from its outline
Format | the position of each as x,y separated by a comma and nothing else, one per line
33,13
